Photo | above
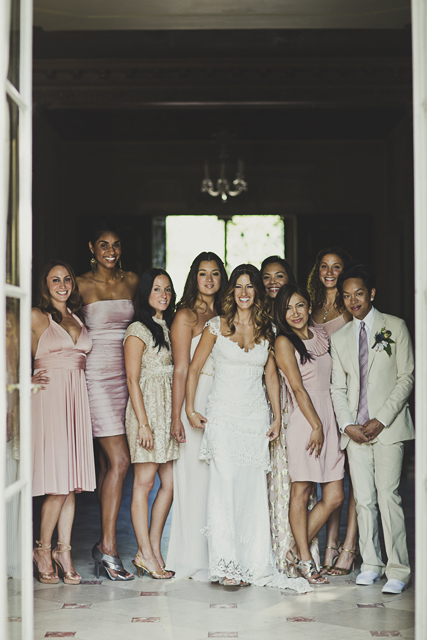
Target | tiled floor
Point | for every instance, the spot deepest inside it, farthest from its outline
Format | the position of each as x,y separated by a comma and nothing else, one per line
189,610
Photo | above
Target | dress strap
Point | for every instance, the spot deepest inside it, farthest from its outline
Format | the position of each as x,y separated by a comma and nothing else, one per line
214,325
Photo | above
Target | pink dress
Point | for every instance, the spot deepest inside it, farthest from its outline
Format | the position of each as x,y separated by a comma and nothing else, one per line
316,376
62,436
332,325
107,321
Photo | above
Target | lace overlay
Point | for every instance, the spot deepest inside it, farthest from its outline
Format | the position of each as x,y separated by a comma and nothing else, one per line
155,380
236,447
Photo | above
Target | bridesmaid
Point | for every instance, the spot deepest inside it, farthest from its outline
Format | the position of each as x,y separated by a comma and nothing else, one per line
302,354
329,312
149,369
108,309
276,272
62,436
201,301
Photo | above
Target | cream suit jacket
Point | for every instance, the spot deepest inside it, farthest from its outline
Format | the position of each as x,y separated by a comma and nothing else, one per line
390,379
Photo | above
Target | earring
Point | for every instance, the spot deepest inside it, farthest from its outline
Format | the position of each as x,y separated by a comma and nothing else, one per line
120,267
93,264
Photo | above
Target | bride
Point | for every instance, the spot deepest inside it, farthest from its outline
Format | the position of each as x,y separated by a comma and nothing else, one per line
237,434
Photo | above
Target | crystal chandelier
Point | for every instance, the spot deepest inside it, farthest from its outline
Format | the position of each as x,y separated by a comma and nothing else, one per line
223,187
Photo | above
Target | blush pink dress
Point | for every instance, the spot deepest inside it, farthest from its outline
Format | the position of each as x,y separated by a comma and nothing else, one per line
62,442
331,326
107,321
316,376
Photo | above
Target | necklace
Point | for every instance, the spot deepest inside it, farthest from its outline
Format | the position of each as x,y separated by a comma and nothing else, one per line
327,311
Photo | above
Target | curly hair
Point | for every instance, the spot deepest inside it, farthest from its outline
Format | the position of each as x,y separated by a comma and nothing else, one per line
190,297
74,302
260,314
315,287
144,312
280,309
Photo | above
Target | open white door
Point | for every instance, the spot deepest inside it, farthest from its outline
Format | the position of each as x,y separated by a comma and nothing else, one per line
16,585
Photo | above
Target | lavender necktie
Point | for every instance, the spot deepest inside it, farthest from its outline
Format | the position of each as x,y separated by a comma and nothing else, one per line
362,409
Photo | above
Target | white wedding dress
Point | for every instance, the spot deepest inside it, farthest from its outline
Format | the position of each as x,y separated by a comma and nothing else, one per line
188,548
236,447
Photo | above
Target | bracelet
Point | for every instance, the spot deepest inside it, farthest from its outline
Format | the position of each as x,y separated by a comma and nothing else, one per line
191,414
144,426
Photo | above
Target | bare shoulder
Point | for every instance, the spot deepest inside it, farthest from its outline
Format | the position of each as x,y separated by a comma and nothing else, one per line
185,317
84,281
283,343
131,280
39,319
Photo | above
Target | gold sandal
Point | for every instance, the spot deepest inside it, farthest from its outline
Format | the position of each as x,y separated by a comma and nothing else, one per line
45,577
341,571
327,567
69,577
156,575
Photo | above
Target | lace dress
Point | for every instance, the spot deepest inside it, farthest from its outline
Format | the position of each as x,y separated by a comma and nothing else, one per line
236,448
155,380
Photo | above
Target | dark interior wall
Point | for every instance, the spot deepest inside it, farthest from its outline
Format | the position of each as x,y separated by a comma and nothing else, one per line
329,187
123,123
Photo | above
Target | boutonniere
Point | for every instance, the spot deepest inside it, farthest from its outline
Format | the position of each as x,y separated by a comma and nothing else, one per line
383,341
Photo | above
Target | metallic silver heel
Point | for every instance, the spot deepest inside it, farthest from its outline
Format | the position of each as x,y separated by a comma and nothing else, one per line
110,563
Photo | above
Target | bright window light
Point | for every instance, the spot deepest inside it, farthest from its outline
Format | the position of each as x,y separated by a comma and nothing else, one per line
250,239
186,237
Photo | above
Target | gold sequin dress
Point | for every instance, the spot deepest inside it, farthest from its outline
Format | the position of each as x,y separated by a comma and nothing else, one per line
155,380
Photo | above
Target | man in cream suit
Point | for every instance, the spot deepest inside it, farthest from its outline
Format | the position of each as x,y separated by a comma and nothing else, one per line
372,379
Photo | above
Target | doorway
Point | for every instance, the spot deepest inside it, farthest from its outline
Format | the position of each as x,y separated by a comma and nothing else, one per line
235,239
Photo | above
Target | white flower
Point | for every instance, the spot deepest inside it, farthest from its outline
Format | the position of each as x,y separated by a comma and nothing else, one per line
380,346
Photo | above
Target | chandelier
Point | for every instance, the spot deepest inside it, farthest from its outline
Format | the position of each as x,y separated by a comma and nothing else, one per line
223,187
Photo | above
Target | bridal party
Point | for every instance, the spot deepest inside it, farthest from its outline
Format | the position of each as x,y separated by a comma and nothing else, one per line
250,398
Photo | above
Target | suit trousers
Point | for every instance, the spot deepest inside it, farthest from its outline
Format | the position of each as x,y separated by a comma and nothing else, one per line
375,471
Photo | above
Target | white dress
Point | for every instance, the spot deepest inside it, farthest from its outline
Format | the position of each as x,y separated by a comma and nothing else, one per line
188,547
236,447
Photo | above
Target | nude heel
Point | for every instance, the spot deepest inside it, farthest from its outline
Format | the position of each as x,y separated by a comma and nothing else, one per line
69,577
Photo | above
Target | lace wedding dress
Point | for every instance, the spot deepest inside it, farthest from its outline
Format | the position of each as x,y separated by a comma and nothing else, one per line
236,448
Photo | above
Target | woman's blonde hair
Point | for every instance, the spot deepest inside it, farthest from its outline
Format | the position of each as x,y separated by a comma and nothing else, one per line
260,314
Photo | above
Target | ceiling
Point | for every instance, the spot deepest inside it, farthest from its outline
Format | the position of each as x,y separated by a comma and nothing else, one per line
76,15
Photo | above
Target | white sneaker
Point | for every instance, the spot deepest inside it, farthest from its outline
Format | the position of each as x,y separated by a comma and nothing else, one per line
367,577
394,586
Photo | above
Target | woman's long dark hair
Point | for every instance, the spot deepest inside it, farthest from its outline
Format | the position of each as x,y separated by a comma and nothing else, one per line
260,314
283,263
74,302
144,312
315,287
283,299
190,297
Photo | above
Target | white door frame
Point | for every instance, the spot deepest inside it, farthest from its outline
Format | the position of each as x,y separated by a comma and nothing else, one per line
22,97
419,54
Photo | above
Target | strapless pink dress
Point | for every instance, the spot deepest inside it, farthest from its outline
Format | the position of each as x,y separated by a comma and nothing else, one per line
62,436
107,321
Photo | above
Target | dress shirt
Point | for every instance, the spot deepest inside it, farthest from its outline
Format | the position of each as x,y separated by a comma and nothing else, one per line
369,321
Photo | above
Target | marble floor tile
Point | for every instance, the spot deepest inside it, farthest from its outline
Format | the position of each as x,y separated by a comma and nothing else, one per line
190,610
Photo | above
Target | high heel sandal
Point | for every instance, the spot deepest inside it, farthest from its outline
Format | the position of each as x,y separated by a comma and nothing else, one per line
327,567
308,570
69,577
163,567
140,566
45,577
233,582
341,571
110,563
